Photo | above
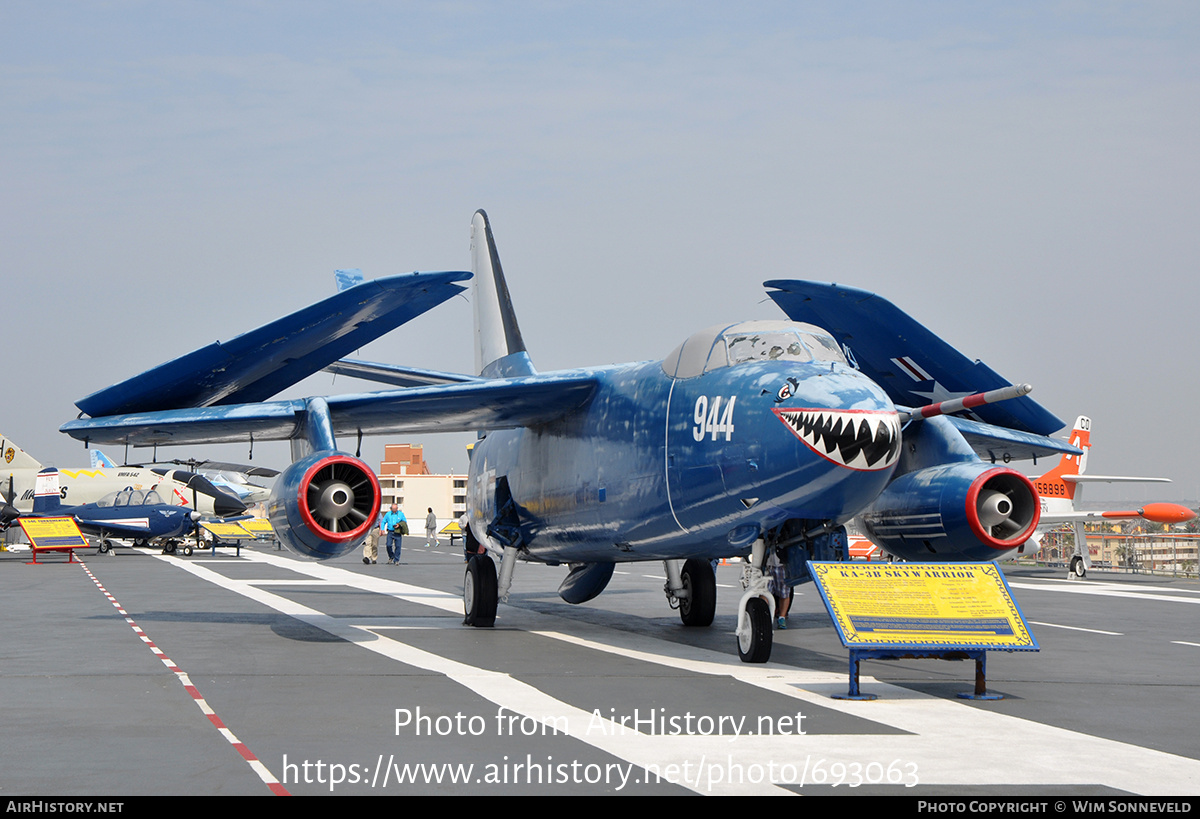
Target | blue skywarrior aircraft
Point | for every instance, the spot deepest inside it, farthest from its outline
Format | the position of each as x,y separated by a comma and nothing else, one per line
747,438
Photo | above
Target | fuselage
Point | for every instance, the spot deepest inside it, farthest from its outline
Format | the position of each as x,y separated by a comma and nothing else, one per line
86,486
129,514
695,464
144,522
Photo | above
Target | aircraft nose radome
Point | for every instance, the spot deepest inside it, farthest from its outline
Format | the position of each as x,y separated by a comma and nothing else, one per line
226,505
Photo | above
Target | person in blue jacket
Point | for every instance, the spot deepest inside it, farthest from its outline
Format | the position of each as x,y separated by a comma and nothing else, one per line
395,526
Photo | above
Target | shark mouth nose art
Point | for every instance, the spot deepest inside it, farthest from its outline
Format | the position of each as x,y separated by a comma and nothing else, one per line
855,439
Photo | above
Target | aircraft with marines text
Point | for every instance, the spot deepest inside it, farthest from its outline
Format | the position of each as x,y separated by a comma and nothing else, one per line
179,487
749,437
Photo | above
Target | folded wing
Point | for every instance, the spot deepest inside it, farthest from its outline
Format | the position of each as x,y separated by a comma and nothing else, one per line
912,364
259,364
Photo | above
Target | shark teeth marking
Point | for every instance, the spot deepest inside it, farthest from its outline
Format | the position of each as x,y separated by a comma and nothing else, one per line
867,440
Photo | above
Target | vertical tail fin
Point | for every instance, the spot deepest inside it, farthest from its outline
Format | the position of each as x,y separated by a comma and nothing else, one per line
15,457
46,497
345,279
499,348
101,461
1053,484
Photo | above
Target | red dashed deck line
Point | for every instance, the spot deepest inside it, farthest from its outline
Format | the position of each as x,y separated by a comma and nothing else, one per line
255,764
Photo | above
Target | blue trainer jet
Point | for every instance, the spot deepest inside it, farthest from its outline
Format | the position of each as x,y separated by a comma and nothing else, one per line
746,439
141,516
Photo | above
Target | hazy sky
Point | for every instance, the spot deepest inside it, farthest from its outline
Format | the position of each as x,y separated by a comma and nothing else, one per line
1024,178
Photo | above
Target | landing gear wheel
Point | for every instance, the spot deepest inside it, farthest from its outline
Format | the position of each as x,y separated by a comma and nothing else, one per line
169,549
756,646
104,547
479,592
699,604
1077,566
187,551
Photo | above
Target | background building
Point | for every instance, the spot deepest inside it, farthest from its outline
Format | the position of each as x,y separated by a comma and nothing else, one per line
405,479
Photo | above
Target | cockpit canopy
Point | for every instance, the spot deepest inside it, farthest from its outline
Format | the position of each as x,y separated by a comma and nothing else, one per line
729,345
131,497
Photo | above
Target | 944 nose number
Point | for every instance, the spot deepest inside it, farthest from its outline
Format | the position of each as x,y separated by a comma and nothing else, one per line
708,411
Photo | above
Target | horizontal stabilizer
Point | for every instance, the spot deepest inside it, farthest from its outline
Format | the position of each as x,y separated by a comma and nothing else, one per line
914,366
395,374
492,404
257,365
1001,444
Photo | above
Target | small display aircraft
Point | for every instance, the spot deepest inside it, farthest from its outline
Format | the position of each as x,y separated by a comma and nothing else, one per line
232,479
127,513
748,437
179,487
1060,488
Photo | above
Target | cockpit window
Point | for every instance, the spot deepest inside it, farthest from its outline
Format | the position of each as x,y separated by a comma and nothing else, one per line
823,347
718,358
130,497
749,341
765,347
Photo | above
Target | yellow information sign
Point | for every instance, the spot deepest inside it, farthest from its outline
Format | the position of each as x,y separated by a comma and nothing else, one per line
451,528
227,531
53,533
922,605
259,526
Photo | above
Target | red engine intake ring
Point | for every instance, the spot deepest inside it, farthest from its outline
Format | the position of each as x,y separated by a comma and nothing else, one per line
306,513
973,515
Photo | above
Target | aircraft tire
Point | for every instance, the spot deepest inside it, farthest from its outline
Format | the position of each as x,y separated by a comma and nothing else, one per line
700,582
757,647
169,548
479,592
187,551
1077,566
103,547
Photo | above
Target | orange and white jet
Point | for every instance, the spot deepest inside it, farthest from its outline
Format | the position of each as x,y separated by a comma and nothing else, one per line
1060,488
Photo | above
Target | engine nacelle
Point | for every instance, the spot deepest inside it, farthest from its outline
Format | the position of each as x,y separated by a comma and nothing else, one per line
963,511
324,505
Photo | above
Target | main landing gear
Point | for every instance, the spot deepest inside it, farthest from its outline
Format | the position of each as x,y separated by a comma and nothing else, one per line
482,589
173,547
693,589
479,592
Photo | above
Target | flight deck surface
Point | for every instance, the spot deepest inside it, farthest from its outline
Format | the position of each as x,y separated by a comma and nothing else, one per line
140,673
